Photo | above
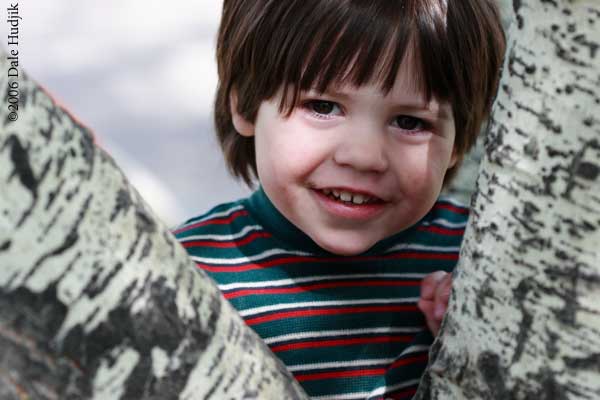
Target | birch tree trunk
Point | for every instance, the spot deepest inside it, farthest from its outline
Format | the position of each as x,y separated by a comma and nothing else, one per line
97,299
524,316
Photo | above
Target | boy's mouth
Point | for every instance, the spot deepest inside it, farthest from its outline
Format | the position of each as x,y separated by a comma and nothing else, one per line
348,197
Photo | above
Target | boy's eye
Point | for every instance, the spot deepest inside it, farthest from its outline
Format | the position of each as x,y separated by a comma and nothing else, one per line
322,107
409,123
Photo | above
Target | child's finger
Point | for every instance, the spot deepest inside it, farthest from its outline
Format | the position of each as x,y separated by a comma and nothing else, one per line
427,308
430,283
442,296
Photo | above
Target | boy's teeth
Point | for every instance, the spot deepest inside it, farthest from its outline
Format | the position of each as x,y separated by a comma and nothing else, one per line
358,199
347,196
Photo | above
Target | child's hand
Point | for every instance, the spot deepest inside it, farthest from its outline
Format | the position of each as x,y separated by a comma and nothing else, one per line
435,292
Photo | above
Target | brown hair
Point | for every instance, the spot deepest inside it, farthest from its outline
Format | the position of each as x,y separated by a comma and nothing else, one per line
295,45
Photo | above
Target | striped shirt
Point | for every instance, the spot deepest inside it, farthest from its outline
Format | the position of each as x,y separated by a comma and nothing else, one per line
347,327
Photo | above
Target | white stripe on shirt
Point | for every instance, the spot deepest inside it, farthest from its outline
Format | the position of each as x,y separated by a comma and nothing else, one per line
420,247
445,223
223,238
363,395
341,364
348,332
315,278
386,389
246,260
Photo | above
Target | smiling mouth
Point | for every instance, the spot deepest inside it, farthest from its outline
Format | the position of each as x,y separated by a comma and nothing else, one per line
350,198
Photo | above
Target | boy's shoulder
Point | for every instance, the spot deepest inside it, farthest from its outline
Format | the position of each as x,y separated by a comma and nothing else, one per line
445,223
449,209
218,218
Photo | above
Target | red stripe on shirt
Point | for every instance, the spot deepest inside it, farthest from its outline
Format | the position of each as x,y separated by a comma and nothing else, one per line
340,342
217,244
317,286
442,231
326,311
450,207
412,360
339,374
214,221
342,261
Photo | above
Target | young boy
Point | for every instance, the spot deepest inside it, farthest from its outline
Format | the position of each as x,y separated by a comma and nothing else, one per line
352,115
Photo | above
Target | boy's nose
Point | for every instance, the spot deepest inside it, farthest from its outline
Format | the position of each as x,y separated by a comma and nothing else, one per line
362,151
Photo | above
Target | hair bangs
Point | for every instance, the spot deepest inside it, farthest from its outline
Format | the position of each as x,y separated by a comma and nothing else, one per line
354,42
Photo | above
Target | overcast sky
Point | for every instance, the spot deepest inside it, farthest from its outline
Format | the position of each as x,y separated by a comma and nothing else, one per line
141,74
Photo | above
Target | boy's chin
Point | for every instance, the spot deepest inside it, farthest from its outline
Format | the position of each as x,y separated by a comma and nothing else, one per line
344,246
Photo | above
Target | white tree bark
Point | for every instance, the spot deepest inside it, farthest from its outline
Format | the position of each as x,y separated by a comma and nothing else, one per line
97,299
524,316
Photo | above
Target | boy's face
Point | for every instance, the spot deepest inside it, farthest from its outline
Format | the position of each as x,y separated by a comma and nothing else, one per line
390,152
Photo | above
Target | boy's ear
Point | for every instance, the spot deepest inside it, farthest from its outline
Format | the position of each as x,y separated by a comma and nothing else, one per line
454,158
241,124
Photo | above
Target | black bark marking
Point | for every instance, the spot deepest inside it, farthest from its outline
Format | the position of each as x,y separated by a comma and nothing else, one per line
525,220
482,295
69,241
552,2
589,363
529,69
19,156
47,133
542,117
144,224
70,194
216,361
552,152
94,288
577,230
541,385
493,374
122,204
52,196
587,170
516,7
568,314
581,168
215,385
54,113
234,377
564,54
146,249
551,344
88,152
6,245
520,294
61,158
582,41
52,222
